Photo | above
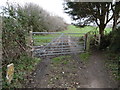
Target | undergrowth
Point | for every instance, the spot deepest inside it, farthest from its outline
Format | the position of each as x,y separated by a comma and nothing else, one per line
23,67
84,57
113,64
61,59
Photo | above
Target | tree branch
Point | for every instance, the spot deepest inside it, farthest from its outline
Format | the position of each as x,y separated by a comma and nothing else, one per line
96,21
118,22
20,45
109,19
107,13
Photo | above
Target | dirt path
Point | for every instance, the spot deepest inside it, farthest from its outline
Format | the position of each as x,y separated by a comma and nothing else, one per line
70,72
73,73
96,74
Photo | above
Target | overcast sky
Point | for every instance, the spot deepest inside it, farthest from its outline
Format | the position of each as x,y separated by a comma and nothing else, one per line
53,6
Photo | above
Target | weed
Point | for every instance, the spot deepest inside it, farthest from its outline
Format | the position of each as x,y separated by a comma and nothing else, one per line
65,62
113,65
23,67
61,60
84,56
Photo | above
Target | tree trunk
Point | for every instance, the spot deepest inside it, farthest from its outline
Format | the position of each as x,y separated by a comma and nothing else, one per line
115,18
116,12
101,32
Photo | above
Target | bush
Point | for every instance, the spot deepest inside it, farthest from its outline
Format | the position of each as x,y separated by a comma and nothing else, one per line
111,41
115,41
23,68
112,64
105,41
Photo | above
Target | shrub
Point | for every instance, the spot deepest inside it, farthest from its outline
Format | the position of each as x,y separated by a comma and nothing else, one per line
111,41
105,41
115,41
24,66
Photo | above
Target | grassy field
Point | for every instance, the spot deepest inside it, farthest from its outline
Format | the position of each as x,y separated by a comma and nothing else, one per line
43,39
74,29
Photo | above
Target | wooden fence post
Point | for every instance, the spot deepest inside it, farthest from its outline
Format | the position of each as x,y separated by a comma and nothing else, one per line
30,44
1,52
99,39
87,41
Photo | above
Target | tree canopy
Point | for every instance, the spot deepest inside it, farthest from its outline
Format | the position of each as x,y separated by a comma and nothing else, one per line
90,12
116,14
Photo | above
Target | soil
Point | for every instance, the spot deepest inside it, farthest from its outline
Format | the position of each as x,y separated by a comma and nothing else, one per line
73,74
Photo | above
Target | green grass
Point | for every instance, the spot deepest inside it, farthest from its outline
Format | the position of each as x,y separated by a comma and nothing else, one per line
61,59
43,39
74,29
40,40
81,31
85,56
112,64
106,31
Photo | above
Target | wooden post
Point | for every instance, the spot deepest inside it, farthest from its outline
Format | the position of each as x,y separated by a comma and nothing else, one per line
71,89
1,52
85,41
99,40
88,42
31,44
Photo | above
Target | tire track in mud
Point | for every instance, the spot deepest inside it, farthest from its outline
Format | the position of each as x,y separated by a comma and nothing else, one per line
37,75
92,75
35,78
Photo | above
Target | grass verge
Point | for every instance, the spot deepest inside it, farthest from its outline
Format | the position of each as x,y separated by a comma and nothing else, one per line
61,60
85,57
113,65
23,67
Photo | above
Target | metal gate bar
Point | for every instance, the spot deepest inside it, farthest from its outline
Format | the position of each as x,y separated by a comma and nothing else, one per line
61,43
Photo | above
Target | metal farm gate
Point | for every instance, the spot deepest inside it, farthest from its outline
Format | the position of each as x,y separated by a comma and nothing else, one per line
55,43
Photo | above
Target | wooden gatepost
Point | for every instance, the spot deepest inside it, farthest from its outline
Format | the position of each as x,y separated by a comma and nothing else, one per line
92,35
87,38
30,44
1,52
97,40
